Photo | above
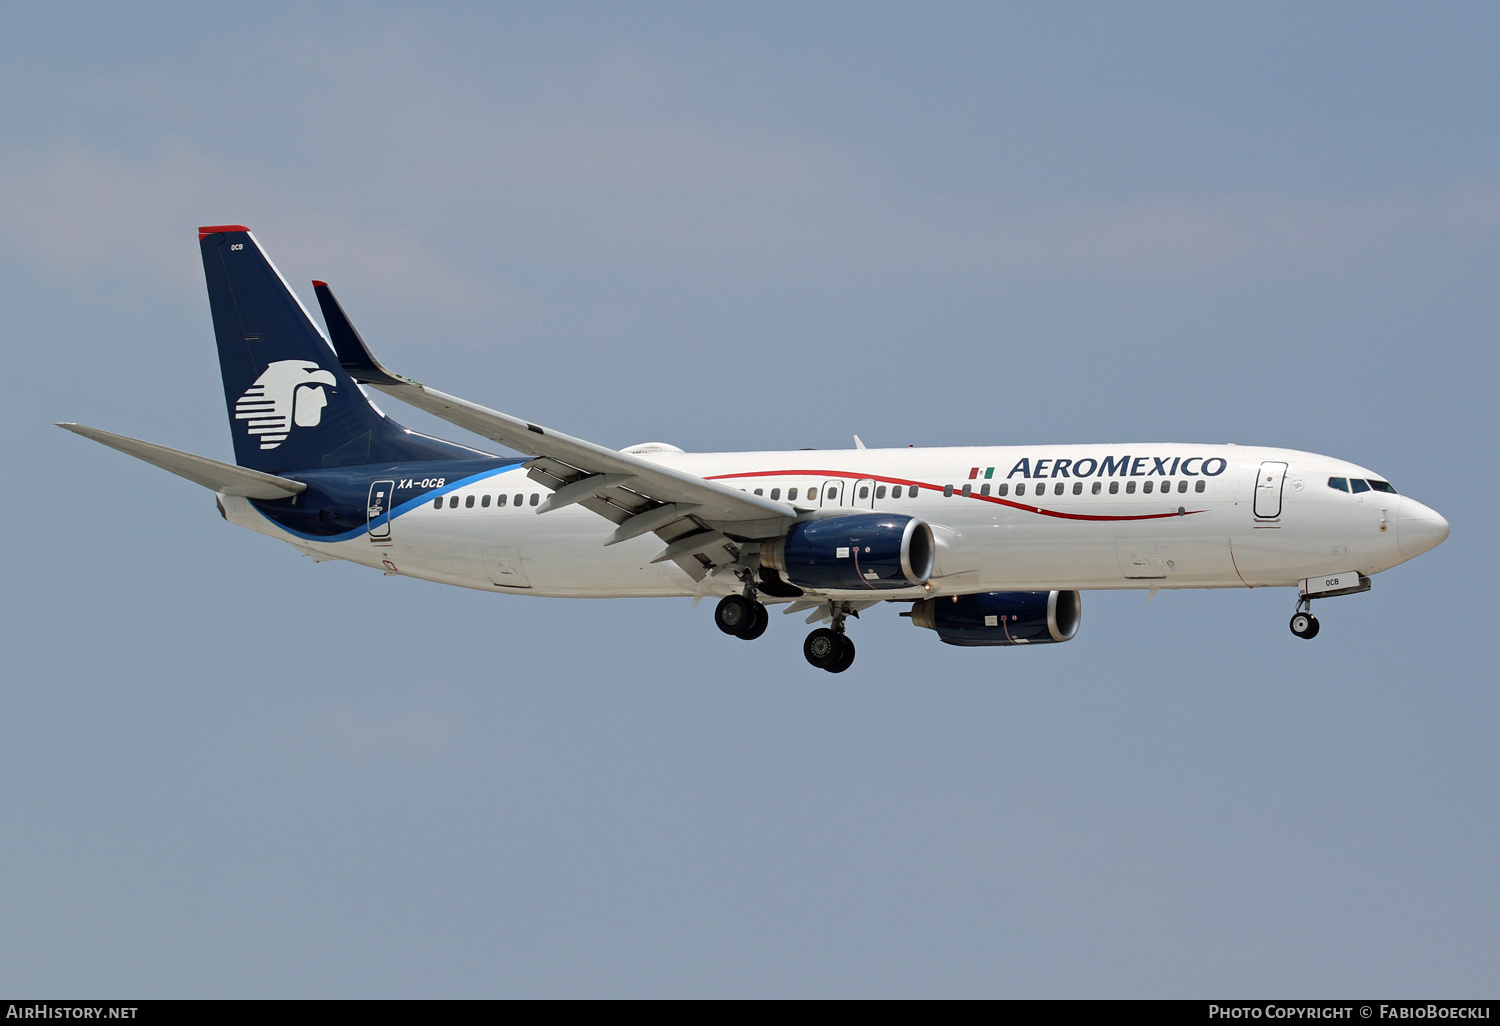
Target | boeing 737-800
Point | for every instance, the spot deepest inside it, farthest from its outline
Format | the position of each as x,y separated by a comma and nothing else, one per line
990,545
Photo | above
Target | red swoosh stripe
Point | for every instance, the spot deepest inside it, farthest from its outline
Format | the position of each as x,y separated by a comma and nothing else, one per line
938,488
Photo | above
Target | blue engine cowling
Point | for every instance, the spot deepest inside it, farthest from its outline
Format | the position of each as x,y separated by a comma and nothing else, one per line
876,551
1002,617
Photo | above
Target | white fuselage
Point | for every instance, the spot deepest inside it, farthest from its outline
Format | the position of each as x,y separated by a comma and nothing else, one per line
1222,522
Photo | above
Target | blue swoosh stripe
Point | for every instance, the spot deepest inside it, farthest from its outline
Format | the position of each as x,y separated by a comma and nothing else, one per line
405,507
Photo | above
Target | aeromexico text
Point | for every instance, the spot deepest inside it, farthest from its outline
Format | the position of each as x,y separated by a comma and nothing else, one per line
1111,466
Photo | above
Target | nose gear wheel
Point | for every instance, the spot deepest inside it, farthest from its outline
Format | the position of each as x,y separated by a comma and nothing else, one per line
1304,625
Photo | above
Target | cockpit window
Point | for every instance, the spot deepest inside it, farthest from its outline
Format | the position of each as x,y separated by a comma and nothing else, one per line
1341,483
1382,486
1359,486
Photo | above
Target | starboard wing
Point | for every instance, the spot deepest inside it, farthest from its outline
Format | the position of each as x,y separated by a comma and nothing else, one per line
702,521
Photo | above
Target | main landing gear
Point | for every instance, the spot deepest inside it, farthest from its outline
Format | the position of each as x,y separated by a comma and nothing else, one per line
742,616
829,648
1304,624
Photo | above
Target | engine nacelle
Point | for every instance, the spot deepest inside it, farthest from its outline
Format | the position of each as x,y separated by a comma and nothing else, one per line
1002,617
878,551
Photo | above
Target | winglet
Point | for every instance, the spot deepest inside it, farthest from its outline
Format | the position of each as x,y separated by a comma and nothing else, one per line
350,347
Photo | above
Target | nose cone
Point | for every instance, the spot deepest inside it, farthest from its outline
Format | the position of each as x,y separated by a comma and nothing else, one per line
1418,528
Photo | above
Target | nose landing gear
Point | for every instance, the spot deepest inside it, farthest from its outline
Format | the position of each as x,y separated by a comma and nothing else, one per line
1345,582
1304,624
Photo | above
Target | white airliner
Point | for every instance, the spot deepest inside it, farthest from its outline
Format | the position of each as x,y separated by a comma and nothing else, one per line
990,545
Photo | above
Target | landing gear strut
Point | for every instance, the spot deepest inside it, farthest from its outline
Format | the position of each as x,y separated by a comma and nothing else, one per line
1304,624
830,648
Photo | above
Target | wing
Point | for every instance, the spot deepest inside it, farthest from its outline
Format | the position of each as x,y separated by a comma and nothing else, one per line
703,522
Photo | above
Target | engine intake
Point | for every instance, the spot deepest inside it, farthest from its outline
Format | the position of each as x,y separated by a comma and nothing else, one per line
879,551
1002,617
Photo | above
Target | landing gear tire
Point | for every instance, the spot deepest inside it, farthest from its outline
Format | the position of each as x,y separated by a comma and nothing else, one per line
1304,625
758,624
735,614
824,648
846,660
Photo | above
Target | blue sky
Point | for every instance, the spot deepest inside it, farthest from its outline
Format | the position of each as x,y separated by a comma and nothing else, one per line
225,770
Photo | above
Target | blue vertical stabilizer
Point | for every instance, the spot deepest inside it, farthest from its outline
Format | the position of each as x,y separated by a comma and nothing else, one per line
292,406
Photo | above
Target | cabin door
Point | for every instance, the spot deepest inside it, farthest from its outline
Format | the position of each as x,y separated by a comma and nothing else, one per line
378,512
1268,490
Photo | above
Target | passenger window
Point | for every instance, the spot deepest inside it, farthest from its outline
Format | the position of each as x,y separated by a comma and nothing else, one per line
1020,487
1181,487
468,502
947,491
484,501
500,500
831,494
437,503
760,491
1340,483
984,489
1382,486
967,490
1130,487
864,492
1114,487
1358,485
1096,487
775,493
1005,489
1077,487
1146,487
518,498
791,493
812,493
453,502
1198,486
911,493
535,498
880,491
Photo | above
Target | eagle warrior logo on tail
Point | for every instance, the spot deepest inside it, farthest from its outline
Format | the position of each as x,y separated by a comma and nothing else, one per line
288,392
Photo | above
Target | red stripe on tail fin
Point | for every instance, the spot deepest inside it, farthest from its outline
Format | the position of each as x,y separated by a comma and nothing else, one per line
213,229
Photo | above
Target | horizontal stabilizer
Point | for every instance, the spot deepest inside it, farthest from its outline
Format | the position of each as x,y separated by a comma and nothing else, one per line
221,477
